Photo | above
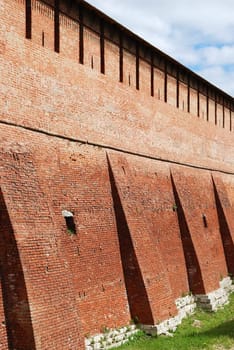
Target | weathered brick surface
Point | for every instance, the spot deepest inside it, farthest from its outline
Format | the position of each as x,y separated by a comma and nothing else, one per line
75,283
149,198
47,78
3,329
49,293
139,190
138,229
17,317
78,181
222,188
196,195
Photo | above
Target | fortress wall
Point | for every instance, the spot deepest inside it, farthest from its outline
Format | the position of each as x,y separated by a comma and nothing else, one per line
120,264
14,17
48,78
171,91
78,181
69,38
219,115
43,25
4,226
227,118
147,194
193,102
200,214
183,97
42,307
111,61
145,78
3,332
16,326
129,69
92,50
203,107
211,111
126,251
73,178
159,84
43,34
149,257
223,188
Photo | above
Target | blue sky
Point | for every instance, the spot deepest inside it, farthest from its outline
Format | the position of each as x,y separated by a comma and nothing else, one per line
199,34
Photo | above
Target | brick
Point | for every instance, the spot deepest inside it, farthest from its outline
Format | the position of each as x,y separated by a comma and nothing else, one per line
59,119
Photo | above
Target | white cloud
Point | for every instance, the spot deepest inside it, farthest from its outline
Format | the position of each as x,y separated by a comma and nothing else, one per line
210,55
220,76
198,34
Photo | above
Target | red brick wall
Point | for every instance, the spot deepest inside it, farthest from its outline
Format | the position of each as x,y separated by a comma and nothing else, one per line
48,78
76,285
196,195
135,202
203,107
92,50
78,277
69,176
17,317
171,91
153,202
48,299
212,111
129,68
159,84
3,333
183,91
145,78
223,197
69,38
193,102
43,24
111,60
4,230
78,181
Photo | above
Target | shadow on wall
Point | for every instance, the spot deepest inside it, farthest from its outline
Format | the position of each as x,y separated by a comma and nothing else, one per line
137,296
225,232
196,284
14,294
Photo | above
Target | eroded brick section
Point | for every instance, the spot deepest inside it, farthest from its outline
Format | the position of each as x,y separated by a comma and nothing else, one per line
3,330
80,276
226,219
150,185
149,256
91,112
71,285
44,269
16,321
78,180
195,191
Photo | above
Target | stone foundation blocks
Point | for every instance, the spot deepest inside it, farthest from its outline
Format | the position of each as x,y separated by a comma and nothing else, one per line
111,339
216,299
185,305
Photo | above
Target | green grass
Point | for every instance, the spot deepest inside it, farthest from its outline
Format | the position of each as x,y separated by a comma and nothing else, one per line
215,331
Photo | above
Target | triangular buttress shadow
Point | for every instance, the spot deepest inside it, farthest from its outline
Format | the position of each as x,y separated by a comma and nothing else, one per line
14,292
136,292
226,237
196,284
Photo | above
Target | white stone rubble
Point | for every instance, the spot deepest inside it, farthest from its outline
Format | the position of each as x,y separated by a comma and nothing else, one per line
185,305
111,339
213,300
